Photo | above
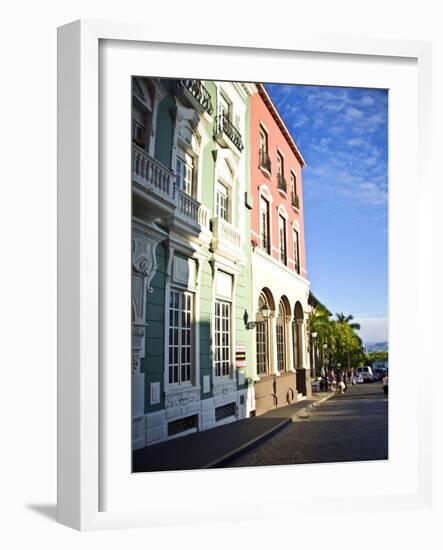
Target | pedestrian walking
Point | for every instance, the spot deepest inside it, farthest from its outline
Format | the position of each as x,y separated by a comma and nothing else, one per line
345,380
384,382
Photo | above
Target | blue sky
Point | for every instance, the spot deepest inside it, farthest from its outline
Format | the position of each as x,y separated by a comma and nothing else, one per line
342,134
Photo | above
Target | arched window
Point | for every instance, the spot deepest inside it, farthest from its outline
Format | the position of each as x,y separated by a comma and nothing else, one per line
186,160
297,328
264,312
282,337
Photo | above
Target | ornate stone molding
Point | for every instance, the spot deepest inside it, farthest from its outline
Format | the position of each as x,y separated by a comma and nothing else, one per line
224,388
143,259
181,398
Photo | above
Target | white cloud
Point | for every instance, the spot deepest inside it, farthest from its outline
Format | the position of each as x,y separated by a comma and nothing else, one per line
353,114
373,329
355,142
367,101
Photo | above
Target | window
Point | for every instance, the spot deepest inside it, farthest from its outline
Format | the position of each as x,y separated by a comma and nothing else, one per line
222,202
280,329
138,133
261,335
265,243
296,251
279,164
224,107
265,161
222,338
282,239
180,336
185,172
281,182
294,196
293,183
296,340
263,140
261,338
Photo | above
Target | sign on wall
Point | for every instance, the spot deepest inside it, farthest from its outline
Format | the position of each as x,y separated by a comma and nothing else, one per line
240,356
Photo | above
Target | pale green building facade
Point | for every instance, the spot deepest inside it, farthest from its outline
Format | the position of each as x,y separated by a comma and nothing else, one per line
191,292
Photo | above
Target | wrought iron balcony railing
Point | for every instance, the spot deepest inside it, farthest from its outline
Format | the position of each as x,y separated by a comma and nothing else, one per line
281,183
200,93
225,126
265,161
295,200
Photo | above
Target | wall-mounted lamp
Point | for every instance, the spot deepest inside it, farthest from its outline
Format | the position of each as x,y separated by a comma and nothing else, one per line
265,311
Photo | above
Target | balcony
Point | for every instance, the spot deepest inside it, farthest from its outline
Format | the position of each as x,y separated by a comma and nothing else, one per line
224,128
226,239
153,185
189,213
196,94
295,201
281,183
157,198
265,161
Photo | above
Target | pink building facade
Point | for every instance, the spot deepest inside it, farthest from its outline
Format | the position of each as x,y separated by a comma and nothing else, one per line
279,277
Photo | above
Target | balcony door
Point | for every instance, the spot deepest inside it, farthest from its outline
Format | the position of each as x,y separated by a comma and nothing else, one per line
224,107
185,172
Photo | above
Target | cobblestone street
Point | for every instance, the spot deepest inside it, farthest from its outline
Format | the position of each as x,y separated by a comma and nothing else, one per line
348,427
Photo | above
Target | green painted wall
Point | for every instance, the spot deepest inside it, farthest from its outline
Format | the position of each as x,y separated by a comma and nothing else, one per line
153,362
165,123
205,325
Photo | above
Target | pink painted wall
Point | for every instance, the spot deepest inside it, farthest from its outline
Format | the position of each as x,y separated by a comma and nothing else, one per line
260,114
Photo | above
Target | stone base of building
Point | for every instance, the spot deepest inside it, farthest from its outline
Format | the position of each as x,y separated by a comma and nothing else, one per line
275,391
224,407
304,382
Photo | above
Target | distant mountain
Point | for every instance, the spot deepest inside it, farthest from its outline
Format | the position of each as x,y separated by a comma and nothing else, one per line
377,346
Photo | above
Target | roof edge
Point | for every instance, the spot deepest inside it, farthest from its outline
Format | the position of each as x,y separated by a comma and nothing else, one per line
273,110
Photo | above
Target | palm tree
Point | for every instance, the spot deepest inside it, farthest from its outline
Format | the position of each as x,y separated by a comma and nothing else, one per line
342,318
345,320
321,324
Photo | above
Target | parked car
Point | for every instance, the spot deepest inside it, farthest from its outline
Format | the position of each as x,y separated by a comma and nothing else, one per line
358,379
366,373
379,373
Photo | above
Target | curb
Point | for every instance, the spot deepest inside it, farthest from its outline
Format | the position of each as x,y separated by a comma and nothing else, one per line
218,462
248,445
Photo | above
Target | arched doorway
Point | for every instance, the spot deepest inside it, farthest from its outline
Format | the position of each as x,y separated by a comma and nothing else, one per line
282,334
297,332
298,352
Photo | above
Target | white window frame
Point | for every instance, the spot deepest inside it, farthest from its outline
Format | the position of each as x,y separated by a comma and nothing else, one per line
264,201
180,380
223,190
187,161
282,219
296,249
220,363
281,342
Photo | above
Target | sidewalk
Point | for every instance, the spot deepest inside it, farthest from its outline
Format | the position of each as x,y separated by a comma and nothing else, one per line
213,448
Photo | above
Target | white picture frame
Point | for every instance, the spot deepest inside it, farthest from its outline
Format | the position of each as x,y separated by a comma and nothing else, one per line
96,491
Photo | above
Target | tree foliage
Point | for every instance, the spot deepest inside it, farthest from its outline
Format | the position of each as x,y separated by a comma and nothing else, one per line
337,341
376,357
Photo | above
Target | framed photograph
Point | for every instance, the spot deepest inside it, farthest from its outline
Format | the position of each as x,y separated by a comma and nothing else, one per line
235,223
